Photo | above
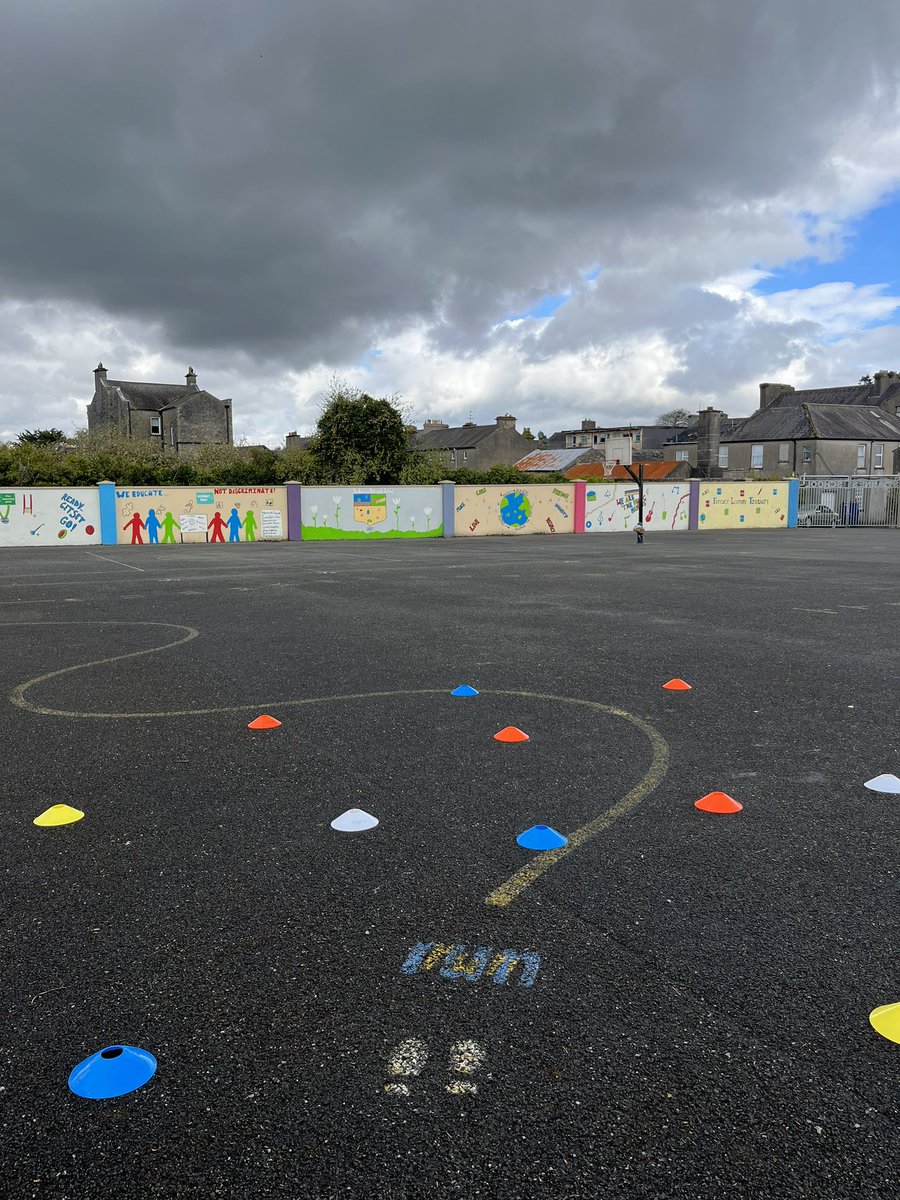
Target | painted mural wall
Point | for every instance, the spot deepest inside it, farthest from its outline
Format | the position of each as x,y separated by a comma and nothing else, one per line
172,515
343,513
542,508
748,505
49,516
613,507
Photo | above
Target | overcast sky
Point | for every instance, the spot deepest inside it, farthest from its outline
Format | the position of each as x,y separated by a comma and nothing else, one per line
594,208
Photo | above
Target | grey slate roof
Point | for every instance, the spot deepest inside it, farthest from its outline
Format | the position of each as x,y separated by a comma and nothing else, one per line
151,397
463,437
838,422
863,394
688,436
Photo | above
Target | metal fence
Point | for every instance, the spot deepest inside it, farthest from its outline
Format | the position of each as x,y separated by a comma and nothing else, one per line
846,500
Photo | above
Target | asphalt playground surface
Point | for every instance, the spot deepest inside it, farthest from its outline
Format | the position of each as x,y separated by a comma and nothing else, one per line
698,1026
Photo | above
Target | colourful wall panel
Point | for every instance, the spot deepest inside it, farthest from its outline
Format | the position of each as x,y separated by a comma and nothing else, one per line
170,515
49,516
370,511
542,508
613,507
748,505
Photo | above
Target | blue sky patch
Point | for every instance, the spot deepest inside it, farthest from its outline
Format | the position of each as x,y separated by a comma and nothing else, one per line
872,255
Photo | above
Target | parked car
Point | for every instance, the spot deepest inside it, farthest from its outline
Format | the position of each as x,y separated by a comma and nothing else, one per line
819,514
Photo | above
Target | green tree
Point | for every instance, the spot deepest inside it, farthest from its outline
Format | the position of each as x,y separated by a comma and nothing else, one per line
526,433
675,416
359,439
41,437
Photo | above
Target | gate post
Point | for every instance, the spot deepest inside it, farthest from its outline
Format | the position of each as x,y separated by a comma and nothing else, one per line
793,502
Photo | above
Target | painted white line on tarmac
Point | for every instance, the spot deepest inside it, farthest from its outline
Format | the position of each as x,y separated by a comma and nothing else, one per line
116,561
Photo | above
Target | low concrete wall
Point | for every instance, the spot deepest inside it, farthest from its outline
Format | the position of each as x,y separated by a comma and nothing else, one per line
169,515
49,516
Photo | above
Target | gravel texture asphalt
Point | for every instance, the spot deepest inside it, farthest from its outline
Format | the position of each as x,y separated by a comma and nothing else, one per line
698,1025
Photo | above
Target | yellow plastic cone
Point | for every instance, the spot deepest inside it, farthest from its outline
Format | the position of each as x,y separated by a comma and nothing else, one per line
886,1021
59,814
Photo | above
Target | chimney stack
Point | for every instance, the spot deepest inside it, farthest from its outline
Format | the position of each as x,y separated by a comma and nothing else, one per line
709,428
99,375
768,392
431,424
506,422
191,378
884,380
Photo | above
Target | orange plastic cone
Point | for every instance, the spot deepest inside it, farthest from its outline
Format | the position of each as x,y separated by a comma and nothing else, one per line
510,734
718,802
264,722
677,685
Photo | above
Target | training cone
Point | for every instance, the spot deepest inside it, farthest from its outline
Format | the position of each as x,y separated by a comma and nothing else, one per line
264,722
676,685
510,734
354,820
59,814
883,783
718,802
886,1021
115,1071
541,837
464,690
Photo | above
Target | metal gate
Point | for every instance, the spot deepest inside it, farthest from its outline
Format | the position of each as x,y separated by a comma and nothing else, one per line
846,500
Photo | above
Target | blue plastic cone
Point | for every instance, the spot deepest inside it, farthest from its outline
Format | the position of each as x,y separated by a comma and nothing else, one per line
464,690
541,837
115,1071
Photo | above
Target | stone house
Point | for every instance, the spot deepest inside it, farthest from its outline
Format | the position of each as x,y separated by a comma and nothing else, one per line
815,431
476,447
180,417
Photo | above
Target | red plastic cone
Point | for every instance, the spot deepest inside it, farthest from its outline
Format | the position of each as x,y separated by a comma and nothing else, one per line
677,685
510,734
264,722
718,802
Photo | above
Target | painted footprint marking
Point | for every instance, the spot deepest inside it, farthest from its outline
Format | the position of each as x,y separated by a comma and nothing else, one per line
407,1060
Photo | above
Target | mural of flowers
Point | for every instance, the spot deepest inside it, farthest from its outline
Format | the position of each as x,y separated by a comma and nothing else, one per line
314,509
395,500
428,511
336,501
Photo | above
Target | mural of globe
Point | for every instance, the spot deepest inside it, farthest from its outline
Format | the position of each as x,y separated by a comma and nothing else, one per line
515,509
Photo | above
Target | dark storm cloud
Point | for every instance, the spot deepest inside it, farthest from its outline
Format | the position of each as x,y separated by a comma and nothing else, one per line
299,180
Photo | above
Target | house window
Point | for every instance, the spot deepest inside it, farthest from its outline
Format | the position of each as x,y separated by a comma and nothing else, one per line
465,456
784,452
807,454
155,426
171,435
756,458
878,464
861,456
682,455
723,456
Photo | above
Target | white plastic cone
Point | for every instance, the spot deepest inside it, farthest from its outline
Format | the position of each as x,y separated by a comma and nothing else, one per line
883,783
354,820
